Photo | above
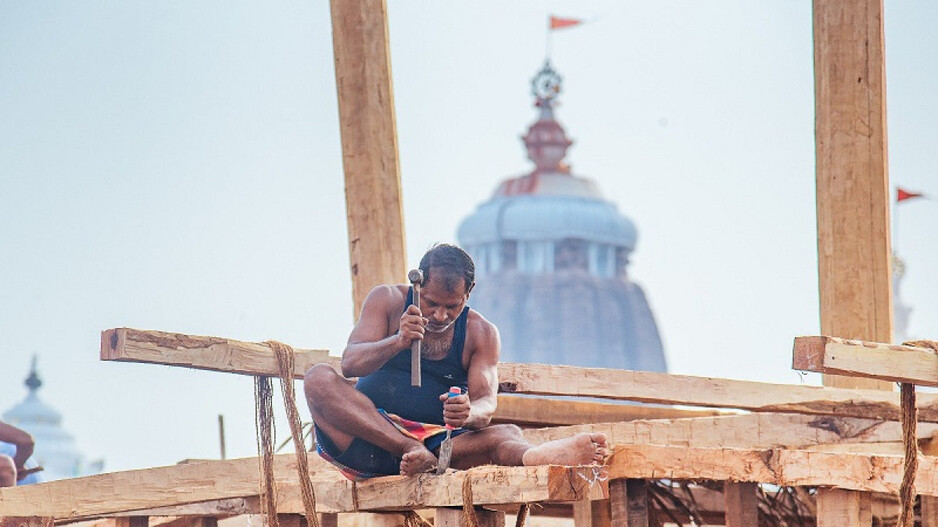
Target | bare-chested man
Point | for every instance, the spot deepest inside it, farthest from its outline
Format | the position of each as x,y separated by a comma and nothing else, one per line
382,425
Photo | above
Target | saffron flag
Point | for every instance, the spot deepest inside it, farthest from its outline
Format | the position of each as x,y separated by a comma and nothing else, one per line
902,194
557,22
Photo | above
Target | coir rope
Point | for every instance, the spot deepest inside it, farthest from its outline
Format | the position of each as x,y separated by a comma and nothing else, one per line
909,417
286,364
263,424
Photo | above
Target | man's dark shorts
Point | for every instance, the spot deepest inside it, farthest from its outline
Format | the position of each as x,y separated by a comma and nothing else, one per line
363,460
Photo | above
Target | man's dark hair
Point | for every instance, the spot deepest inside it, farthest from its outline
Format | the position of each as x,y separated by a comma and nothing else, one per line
453,261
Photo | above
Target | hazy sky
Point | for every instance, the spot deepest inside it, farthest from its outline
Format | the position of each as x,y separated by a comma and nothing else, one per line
176,165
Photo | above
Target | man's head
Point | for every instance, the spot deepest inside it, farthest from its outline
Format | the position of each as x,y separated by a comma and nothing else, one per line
449,264
449,275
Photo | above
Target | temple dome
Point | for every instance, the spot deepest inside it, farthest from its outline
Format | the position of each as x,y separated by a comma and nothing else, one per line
55,448
551,257
552,217
33,410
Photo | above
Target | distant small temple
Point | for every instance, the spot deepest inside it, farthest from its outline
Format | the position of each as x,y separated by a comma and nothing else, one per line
55,448
551,260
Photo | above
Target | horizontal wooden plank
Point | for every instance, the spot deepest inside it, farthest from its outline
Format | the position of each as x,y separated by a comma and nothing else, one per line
206,353
663,388
649,387
752,431
166,488
143,489
542,411
213,508
871,473
25,521
888,362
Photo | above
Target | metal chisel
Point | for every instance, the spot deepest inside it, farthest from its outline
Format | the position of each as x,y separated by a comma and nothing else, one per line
446,449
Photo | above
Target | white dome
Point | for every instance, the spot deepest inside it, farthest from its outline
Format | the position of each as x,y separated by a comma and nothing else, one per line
546,217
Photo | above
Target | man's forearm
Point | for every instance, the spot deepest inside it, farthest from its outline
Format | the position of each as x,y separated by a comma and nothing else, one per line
364,358
480,414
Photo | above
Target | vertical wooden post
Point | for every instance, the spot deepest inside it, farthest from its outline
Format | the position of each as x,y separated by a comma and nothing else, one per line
582,514
369,145
628,499
852,178
449,517
843,508
742,507
929,511
291,520
132,521
595,513
852,196
377,519
929,508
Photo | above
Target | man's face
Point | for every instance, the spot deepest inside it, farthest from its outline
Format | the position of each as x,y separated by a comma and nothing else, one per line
440,304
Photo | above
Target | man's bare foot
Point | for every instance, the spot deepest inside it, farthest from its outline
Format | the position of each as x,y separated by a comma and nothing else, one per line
582,449
416,460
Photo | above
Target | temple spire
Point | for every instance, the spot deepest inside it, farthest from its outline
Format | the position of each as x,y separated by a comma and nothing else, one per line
546,141
33,382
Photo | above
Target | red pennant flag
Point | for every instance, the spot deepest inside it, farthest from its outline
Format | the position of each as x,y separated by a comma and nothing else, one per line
902,194
559,23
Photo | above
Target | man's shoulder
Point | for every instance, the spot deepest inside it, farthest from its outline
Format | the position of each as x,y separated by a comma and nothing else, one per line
480,327
388,295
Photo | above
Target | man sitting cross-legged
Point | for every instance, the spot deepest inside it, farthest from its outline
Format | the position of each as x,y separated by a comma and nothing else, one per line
382,425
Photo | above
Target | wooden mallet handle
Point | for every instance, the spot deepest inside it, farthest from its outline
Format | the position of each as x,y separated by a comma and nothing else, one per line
416,279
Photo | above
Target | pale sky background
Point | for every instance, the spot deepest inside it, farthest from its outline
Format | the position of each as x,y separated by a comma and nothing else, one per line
176,165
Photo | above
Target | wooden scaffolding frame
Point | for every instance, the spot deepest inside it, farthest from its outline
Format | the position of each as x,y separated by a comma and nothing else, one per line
842,438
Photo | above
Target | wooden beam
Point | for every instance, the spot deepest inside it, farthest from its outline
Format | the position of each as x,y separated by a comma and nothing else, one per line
162,487
132,521
204,353
541,411
742,431
742,505
453,517
660,388
619,502
854,253
133,490
855,358
929,511
216,508
368,129
25,521
187,521
592,513
870,473
663,388
854,259
838,507
628,500
375,519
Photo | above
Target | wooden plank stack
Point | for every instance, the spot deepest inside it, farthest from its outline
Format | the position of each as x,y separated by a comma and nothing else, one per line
787,442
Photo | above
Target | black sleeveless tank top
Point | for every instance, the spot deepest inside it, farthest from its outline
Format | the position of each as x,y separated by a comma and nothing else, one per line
389,387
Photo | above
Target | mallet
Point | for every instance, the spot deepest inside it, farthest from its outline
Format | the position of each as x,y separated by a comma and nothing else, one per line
416,279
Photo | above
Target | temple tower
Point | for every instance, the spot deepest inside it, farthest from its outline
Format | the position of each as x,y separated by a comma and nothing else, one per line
552,260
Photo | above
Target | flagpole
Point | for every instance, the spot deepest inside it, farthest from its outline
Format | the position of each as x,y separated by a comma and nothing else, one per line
548,50
895,224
